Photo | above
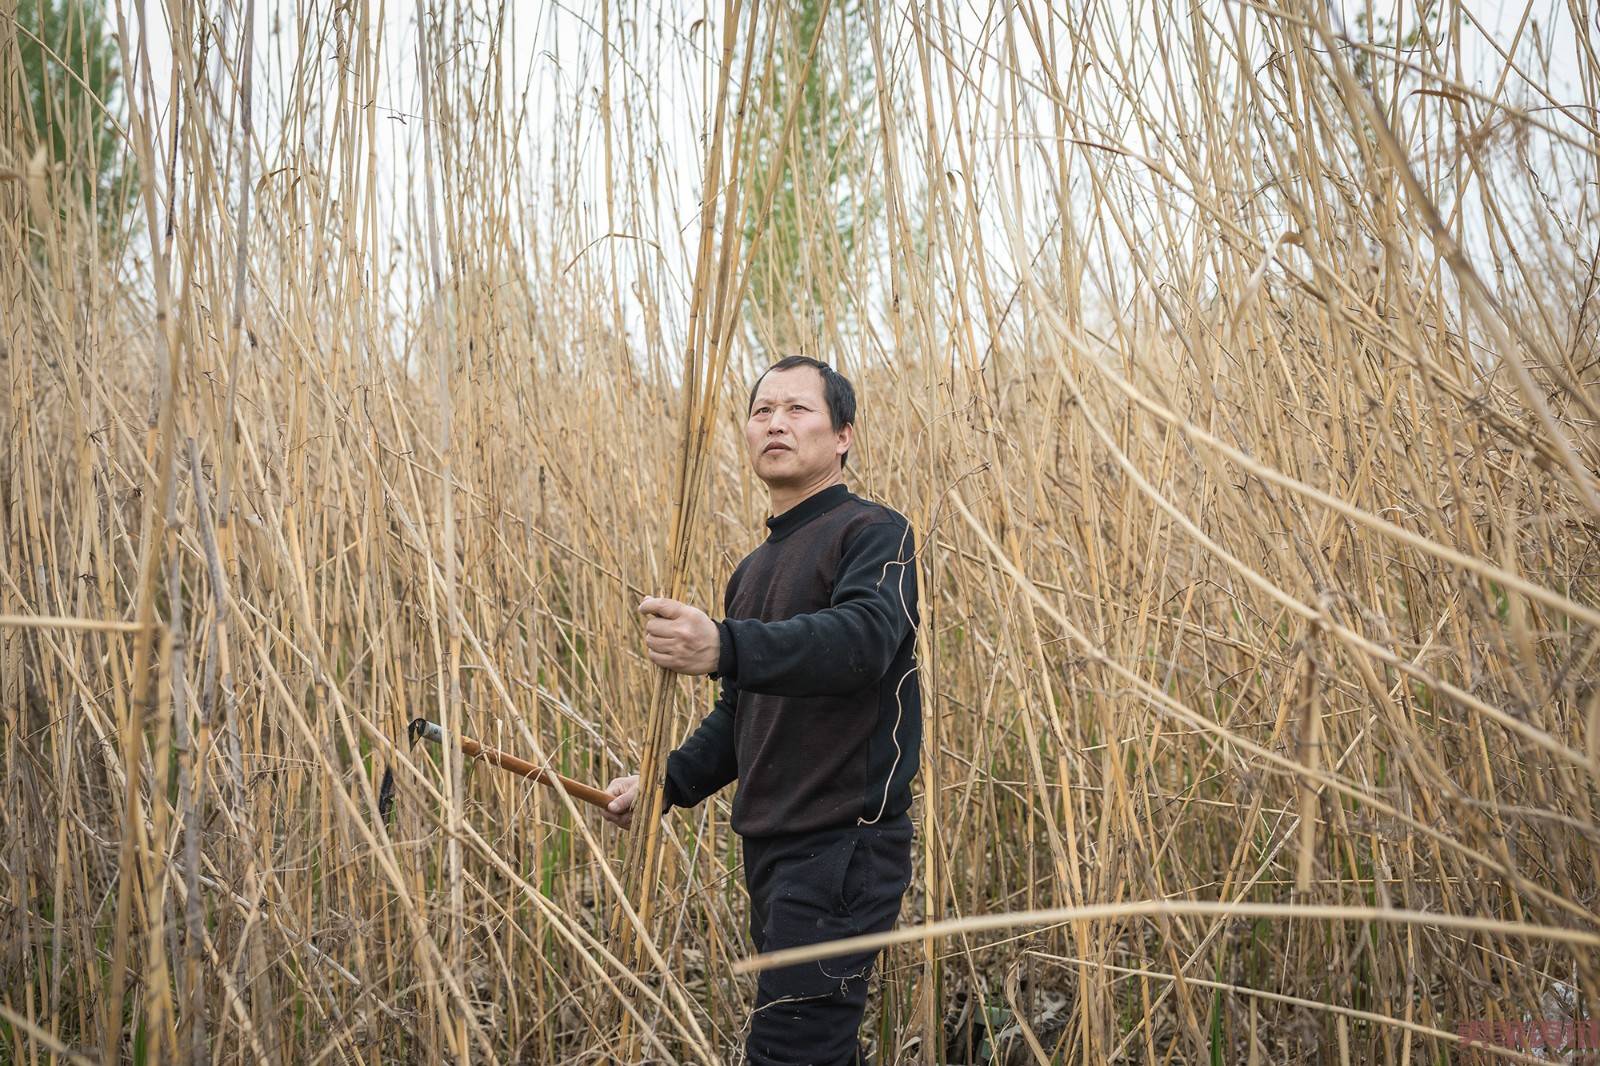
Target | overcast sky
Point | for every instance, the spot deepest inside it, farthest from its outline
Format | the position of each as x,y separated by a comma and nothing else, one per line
553,70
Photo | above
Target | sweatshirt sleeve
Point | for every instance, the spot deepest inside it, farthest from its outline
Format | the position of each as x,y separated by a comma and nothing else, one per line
708,760
844,647
705,762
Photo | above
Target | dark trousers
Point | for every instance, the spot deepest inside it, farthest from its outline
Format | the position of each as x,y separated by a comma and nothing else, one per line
810,887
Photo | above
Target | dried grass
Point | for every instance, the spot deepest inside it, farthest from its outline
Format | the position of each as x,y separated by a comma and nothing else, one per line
1239,377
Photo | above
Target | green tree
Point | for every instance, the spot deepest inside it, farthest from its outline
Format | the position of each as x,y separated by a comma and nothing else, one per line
824,202
69,83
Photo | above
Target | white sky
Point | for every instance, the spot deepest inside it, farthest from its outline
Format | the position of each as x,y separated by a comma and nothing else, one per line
553,70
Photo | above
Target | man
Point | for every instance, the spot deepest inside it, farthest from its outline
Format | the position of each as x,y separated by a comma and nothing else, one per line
819,718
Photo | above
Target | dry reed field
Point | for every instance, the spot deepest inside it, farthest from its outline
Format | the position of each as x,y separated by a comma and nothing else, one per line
1237,362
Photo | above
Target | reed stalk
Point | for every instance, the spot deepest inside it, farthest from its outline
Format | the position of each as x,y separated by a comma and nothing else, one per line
1235,364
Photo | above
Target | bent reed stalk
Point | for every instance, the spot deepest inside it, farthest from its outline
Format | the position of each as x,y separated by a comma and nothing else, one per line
1235,363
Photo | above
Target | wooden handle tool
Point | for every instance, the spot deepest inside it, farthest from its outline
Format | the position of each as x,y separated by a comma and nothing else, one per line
426,730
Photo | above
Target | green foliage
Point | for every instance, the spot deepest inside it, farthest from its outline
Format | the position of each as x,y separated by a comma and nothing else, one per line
72,78
1217,1044
141,1043
820,209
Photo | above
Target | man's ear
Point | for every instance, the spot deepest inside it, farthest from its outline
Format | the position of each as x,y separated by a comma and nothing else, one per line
847,436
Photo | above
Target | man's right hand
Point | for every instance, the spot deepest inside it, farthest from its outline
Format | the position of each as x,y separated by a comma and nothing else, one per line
619,811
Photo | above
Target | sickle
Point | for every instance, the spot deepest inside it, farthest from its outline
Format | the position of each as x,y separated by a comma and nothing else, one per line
422,729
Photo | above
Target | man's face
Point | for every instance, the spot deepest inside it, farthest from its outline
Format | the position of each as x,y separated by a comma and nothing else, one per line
789,433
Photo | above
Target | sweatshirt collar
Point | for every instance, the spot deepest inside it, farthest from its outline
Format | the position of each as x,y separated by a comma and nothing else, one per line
807,509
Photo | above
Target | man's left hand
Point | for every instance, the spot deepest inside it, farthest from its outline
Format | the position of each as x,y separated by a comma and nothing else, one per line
681,638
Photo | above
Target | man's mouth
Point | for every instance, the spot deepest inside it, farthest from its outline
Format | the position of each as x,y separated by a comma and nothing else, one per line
776,446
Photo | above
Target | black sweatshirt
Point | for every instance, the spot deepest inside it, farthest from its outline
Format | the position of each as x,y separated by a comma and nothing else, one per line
820,717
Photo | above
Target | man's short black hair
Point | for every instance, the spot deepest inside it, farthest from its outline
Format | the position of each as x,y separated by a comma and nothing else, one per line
837,392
